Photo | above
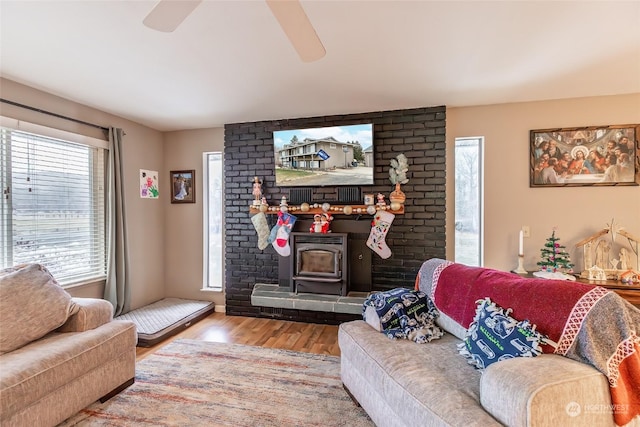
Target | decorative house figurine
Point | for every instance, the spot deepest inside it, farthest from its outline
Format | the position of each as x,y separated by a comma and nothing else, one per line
596,273
612,254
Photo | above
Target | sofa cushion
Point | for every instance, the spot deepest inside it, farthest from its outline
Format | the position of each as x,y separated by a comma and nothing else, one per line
548,390
494,336
401,383
32,304
33,371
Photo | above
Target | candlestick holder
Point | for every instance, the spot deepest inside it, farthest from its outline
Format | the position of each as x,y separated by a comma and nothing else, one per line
520,269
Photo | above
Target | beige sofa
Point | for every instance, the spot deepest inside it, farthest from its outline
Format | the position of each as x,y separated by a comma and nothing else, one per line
67,367
401,383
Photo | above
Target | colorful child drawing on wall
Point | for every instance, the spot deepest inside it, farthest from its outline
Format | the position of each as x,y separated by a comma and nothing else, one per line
149,184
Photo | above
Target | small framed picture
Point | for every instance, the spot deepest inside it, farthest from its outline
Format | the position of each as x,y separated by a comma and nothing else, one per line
183,186
369,199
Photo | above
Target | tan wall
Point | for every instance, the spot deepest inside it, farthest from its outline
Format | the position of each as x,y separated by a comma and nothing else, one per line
183,252
509,202
142,150
166,240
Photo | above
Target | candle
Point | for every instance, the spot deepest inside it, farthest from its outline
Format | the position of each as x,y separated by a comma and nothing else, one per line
521,244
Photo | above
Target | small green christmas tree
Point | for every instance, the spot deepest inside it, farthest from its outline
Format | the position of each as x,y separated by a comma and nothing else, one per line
554,256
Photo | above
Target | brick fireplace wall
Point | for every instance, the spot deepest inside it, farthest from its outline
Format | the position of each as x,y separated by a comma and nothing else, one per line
415,236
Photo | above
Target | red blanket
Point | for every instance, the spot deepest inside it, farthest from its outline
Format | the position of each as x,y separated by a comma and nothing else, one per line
589,324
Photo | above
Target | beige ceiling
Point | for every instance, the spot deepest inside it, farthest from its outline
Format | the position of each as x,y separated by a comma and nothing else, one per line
230,61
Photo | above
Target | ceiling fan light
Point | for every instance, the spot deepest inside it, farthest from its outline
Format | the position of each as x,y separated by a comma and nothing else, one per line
167,15
298,28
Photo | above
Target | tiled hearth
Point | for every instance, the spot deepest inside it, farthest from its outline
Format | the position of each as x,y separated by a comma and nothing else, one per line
268,295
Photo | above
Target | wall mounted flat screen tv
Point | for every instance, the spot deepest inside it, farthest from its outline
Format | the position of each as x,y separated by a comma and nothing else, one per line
326,156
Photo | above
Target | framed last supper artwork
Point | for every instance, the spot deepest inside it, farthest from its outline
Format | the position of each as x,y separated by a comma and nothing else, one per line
585,156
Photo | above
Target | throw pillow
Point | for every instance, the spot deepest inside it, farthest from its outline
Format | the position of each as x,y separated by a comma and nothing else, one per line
32,304
494,336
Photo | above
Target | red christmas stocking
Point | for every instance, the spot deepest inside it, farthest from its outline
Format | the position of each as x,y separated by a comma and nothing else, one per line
279,237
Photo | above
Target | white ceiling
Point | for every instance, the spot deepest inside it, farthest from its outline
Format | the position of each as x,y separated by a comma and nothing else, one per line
230,61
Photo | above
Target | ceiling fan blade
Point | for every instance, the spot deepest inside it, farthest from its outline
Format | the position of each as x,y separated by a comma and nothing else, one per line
298,28
167,15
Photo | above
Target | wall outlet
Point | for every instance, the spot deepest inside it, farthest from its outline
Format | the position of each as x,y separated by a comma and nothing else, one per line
526,231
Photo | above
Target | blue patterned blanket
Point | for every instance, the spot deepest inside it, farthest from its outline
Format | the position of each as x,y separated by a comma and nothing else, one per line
402,313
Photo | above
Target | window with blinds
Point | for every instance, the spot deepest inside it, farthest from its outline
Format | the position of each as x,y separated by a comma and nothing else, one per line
53,205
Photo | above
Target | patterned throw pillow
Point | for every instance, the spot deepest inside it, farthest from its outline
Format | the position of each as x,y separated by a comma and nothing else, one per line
494,336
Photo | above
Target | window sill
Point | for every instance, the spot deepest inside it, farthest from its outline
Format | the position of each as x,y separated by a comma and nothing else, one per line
217,290
90,282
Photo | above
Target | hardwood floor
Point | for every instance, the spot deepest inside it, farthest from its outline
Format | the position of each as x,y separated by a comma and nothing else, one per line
218,327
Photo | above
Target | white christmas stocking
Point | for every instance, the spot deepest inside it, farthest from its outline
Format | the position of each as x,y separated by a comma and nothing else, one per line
259,221
379,226
279,236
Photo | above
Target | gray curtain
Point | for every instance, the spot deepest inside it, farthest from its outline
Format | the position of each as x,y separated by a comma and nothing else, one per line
117,290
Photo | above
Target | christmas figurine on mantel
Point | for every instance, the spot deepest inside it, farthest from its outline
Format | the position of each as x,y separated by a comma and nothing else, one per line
555,263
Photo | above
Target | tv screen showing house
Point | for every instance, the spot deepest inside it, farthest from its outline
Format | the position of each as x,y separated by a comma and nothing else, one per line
326,156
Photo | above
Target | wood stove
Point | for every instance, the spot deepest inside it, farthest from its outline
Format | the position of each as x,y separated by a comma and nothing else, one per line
319,263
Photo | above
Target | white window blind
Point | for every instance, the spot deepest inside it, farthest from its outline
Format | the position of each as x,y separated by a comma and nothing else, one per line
53,205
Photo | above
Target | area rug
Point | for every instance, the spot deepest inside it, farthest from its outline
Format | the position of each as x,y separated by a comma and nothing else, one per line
198,383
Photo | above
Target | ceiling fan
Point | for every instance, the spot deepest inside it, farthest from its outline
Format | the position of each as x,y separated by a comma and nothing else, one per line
167,15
